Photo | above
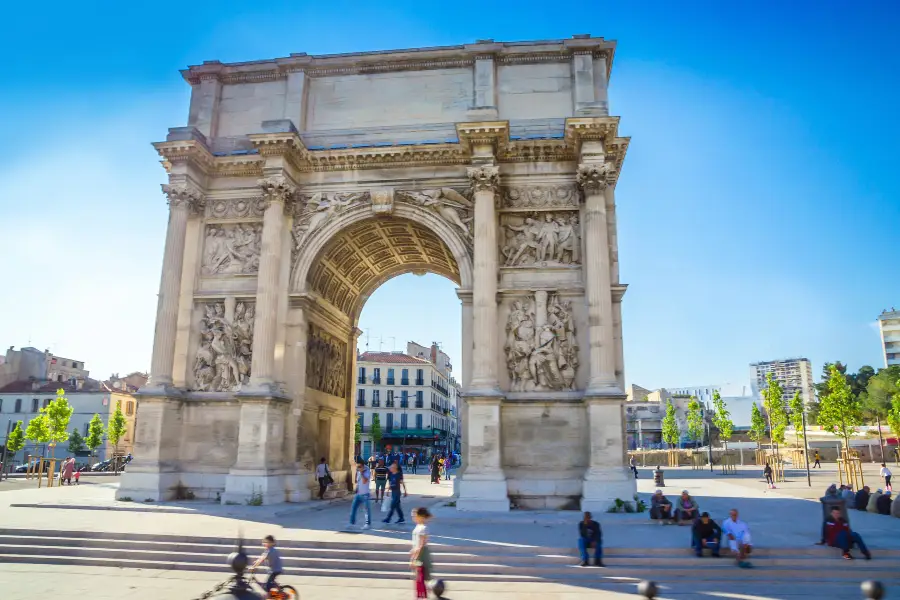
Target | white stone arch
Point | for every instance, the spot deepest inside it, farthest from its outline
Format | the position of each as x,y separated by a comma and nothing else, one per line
321,237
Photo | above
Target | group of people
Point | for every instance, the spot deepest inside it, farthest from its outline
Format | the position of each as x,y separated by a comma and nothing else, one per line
385,478
68,471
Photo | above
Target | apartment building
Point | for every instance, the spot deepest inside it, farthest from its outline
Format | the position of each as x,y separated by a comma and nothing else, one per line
792,373
889,324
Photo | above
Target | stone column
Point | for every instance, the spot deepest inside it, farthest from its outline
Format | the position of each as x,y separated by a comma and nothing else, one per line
277,193
598,286
485,180
182,198
482,487
298,482
606,477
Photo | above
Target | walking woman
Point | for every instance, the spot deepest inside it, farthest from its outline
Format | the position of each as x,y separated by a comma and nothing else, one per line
436,469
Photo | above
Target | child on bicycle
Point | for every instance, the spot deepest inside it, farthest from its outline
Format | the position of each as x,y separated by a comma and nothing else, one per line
272,559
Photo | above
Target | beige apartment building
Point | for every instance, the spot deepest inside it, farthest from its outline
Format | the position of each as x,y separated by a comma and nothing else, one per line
30,363
889,325
792,373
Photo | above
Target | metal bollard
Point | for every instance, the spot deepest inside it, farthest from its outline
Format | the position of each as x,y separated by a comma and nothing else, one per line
647,589
873,590
659,479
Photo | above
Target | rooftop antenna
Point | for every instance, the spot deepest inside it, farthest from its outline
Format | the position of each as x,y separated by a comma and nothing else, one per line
393,343
367,338
380,342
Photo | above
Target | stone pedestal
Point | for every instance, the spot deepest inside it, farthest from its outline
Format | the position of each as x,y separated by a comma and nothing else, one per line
259,469
154,473
483,485
607,477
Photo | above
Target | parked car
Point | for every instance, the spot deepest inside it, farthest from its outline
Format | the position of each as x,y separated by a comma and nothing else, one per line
35,465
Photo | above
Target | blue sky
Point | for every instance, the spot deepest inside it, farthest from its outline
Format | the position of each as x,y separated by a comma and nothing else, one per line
758,207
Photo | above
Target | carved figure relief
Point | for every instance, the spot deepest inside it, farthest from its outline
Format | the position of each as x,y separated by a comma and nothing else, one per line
452,206
540,197
326,363
232,249
546,239
541,348
316,210
231,208
222,362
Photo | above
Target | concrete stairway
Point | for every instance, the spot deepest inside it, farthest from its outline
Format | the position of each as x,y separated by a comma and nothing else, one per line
807,566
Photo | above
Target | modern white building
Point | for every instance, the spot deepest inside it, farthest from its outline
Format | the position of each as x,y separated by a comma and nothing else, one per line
23,400
792,373
889,324
704,393
415,398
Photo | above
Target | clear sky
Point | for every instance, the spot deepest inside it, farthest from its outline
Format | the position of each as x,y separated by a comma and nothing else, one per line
758,207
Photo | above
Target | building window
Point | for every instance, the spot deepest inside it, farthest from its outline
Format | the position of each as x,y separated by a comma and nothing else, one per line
390,399
129,408
420,401
376,375
1,404
404,399
362,421
390,421
403,421
18,405
360,397
34,405
376,398
390,378
418,421
362,375
404,377
420,377
46,402
86,427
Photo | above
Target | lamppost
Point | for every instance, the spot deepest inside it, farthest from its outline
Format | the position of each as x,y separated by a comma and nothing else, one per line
709,453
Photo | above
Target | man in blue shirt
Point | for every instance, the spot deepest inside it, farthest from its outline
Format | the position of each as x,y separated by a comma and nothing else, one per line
395,481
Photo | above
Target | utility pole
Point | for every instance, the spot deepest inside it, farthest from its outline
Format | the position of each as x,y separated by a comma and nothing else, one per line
5,452
806,448
708,439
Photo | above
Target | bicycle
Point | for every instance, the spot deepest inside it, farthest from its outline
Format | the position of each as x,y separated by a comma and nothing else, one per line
280,592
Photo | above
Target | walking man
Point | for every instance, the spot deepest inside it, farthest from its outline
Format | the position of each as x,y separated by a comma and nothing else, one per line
381,475
362,496
322,476
818,458
395,481
411,461
633,464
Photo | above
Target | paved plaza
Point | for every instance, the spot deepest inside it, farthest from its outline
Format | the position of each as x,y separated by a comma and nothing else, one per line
784,523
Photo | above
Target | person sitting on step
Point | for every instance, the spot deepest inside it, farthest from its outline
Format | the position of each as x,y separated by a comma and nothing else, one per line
883,505
686,509
706,533
862,498
660,507
839,535
590,534
738,534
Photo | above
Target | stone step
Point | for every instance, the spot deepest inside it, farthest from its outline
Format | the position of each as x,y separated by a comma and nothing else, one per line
889,576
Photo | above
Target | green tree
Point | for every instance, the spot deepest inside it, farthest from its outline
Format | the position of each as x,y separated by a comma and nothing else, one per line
115,429
694,420
16,439
58,413
357,431
876,399
859,381
721,419
38,430
94,437
797,409
839,411
773,402
757,424
376,430
812,411
670,432
76,442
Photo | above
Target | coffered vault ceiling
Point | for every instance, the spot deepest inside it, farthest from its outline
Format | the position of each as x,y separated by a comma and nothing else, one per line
367,254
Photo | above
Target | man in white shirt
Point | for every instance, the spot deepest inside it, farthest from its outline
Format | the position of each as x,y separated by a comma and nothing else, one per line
322,477
886,475
363,475
738,534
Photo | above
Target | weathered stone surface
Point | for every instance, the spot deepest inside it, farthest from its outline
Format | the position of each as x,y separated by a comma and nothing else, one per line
302,184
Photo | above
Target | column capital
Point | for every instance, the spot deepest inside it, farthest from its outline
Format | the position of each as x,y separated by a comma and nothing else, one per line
277,189
484,178
184,195
593,178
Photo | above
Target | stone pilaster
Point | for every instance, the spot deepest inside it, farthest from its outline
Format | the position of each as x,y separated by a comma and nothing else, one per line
482,487
155,471
183,198
277,193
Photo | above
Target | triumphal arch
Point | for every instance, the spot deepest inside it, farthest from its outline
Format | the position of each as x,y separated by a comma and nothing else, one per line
301,184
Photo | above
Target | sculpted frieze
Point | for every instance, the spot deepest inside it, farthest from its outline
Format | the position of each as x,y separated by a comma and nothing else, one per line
326,362
541,348
222,362
312,212
550,196
449,204
541,239
231,249
232,208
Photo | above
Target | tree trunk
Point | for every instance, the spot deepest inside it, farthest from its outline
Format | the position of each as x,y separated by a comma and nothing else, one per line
880,438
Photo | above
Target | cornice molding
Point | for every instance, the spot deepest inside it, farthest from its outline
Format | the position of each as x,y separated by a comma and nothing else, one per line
495,133
191,151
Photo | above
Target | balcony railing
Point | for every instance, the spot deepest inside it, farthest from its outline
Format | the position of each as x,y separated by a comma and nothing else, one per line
390,381
376,380
420,382
376,403
360,380
360,401
420,404
404,381
404,404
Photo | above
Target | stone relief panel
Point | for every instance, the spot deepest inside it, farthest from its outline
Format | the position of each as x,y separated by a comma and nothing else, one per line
326,362
541,239
550,196
232,208
222,362
312,212
541,348
231,249
449,204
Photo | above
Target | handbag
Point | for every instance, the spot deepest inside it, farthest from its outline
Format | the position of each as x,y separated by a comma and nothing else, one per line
328,478
385,504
